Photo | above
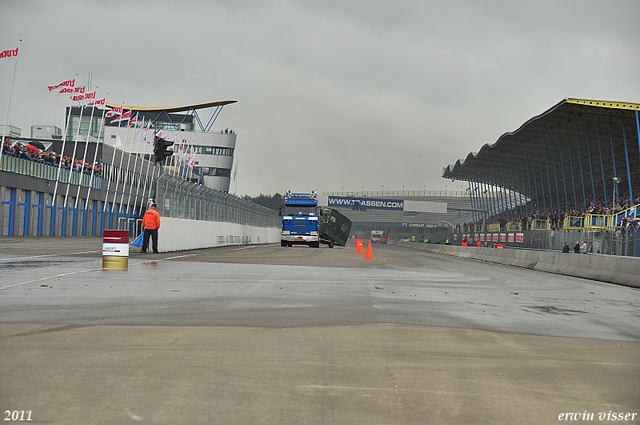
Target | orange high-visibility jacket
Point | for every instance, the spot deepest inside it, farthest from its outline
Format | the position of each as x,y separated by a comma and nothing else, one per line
151,219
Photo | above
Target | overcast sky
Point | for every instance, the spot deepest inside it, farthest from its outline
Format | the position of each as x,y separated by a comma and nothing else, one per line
332,95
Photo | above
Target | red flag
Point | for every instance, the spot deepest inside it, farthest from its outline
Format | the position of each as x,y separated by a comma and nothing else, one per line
9,53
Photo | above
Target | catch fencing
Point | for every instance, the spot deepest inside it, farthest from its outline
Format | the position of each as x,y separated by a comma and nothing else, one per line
178,198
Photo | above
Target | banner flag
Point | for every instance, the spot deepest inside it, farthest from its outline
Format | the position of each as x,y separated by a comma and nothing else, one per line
68,84
115,111
81,97
9,53
124,117
132,121
102,101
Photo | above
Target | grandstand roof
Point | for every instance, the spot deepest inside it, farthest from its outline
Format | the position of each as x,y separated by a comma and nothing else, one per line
170,109
567,135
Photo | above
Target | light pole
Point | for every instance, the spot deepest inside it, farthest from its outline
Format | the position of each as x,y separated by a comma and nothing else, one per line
616,180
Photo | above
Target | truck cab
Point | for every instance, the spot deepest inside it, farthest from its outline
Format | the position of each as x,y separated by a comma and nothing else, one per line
300,220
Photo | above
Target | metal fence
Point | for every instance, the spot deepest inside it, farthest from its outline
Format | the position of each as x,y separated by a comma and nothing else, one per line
180,198
619,241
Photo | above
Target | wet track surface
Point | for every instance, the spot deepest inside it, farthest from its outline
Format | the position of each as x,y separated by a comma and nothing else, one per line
246,286
267,334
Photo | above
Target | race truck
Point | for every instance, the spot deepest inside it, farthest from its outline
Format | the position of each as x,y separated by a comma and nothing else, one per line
334,227
300,225
377,236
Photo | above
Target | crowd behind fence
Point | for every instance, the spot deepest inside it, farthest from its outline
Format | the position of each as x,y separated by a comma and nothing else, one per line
617,234
179,198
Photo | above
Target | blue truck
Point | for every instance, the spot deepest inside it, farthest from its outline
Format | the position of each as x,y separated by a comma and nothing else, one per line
304,223
300,225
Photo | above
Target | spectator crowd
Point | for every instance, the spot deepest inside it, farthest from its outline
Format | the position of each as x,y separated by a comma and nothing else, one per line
556,218
33,153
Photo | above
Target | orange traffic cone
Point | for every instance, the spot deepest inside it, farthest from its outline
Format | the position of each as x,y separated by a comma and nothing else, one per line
359,247
356,241
369,255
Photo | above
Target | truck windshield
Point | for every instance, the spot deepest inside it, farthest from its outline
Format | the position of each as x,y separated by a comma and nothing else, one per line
300,210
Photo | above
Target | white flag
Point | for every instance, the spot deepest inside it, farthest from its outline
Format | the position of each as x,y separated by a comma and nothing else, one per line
9,53
66,85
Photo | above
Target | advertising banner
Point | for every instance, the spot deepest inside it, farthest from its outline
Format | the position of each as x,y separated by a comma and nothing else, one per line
367,203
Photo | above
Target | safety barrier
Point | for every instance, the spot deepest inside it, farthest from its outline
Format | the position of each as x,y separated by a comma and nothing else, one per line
495,227
179,234
538,224
605,268
514,226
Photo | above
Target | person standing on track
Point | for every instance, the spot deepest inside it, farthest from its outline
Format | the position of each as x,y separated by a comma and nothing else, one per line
151,224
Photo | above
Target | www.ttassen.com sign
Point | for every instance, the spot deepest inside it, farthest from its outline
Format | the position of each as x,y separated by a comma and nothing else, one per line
369,203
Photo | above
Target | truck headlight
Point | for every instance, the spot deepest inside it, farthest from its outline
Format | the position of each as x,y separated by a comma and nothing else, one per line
313,233
286,232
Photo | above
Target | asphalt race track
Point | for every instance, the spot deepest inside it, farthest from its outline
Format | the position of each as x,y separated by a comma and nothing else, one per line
274,335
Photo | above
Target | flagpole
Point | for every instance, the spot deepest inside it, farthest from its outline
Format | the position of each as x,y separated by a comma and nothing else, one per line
95,154
73,155
124,145
235,178
135,165
111,171
145,143
149,161
64,141
84,156
192,159
133,137
153,172
6,119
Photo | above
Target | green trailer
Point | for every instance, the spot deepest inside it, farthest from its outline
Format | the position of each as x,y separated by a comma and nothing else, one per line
334,227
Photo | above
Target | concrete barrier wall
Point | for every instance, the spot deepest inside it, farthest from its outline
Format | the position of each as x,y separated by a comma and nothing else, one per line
177,234
606,268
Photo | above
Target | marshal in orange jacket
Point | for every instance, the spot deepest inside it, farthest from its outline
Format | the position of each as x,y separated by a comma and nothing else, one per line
151,219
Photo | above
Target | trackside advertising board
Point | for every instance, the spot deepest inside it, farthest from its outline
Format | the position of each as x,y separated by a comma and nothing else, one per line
368,203
115,250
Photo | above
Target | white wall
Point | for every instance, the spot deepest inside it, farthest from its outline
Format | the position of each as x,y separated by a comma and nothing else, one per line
178,234
605,268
